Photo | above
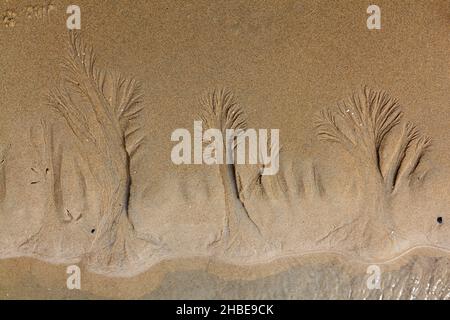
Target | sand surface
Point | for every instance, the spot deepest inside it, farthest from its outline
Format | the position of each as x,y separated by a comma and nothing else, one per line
86,175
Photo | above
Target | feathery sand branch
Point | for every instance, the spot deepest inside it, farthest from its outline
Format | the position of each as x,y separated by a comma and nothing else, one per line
221,110
361,124
98,106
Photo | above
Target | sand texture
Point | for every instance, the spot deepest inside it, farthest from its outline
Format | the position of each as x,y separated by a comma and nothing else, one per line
86,175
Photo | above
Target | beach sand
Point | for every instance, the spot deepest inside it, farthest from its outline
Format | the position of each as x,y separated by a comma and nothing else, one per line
87,178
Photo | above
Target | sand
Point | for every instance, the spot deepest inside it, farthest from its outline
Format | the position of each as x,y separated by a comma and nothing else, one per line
86,175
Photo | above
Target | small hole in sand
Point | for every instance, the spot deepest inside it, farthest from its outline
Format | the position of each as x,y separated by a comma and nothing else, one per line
93,231
439,220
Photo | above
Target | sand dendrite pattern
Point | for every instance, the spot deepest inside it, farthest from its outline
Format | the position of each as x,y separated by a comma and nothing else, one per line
86,183
361,125
240,233
98,106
